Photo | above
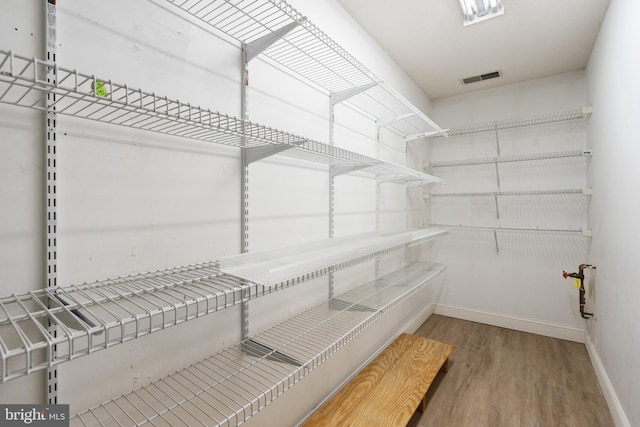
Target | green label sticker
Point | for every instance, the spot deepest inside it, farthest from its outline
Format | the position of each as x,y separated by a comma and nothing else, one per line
99,89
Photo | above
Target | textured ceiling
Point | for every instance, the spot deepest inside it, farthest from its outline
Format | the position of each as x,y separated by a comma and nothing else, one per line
533,39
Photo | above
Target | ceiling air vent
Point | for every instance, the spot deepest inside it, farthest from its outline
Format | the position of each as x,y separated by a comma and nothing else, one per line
481,77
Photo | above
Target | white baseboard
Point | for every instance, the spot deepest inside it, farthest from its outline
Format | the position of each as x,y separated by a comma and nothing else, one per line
512,322
619,417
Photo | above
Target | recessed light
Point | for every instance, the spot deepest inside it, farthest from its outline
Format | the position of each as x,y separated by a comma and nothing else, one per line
475,11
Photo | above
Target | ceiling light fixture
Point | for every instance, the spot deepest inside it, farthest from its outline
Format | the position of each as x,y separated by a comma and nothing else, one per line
475,11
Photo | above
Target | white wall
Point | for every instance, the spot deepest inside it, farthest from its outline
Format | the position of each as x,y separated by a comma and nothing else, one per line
521,286
613,89
21,199
131,201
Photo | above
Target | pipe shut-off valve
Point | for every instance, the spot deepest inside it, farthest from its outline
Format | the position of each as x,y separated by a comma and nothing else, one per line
578,282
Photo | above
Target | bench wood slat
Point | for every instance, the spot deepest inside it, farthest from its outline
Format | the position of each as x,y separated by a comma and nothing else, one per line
389,389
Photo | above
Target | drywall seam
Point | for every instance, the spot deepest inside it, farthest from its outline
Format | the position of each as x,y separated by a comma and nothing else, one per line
512,322
615,407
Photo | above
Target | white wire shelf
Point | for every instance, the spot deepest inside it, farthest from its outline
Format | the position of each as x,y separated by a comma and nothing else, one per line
96,316
583,191
574,115
517,158
23,83
459,227
99,315
310,53
272,267
230,387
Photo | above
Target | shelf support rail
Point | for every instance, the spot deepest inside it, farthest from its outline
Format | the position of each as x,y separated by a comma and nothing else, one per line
51,219
497,178
336,98
253,154
244,184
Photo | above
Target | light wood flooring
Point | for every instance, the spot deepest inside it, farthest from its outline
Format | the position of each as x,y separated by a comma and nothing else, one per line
500,377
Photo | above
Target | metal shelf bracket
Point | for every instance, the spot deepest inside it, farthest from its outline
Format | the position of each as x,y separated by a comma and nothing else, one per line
258,46
423,135
338,97
256,349
342,170
262,152
390,178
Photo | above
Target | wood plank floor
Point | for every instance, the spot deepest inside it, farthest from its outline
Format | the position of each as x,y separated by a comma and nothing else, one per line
500,377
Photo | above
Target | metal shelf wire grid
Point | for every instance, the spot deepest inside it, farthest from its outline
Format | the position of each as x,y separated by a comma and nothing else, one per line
510,193
234,385
23,83
459,227
557,117
506,159
272,267
310,53
96,316
99,315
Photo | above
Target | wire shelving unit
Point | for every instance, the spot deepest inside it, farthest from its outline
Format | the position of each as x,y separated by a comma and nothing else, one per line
553,159
229,387
497,230
515,158
99,315
575,115
461,227
23,83
307,51
272,267
583,191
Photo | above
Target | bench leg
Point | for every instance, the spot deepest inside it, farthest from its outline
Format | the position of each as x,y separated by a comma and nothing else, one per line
423,404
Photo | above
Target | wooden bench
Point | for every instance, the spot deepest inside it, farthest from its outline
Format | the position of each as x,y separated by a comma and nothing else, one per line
388,390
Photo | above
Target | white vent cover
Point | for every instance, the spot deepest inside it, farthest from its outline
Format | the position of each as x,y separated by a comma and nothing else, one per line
481,77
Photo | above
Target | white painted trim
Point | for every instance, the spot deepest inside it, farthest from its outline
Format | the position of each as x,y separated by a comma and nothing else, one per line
512,322
615,407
